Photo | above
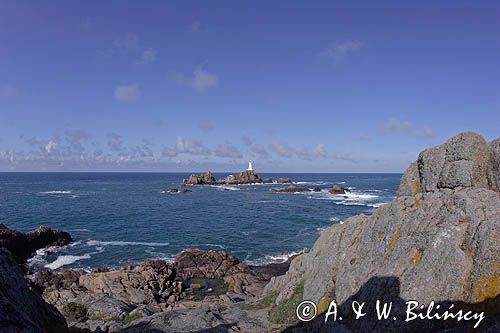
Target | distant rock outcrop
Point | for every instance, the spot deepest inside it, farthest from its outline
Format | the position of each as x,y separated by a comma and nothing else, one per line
437,241
203,179
284,181
337,189
290,189
22,246
22,309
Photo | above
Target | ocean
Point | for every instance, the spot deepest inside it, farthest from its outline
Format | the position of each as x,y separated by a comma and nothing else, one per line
124,218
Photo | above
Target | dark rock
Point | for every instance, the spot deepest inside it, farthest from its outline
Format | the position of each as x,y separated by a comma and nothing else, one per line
173,190
317,189
203,179
337,189
22,309
245,177
267,181
186,190
290,189
284,181
22,246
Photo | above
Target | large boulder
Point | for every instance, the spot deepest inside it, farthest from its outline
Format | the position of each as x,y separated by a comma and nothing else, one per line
23,245
465,160
22,309
437,241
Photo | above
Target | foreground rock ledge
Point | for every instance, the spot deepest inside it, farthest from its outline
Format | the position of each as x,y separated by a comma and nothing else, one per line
437,241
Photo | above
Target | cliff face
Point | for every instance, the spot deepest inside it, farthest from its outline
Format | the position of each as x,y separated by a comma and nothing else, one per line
438,240
21,308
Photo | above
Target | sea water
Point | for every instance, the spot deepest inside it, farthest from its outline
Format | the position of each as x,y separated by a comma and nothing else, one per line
122,218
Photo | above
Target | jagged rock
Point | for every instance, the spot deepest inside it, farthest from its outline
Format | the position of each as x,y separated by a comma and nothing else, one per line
290,189
195,263
337,189
245,177
267,181
22,309
144,284
437,241
203,179
22,246
284,181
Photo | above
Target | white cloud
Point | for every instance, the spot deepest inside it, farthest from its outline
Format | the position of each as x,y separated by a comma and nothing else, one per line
127,93
396,125
260,151
340,51
228,151
148,56
185,146
282,149
50,147
201,79
321,150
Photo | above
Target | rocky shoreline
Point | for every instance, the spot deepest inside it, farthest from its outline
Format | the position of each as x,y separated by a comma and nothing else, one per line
437,241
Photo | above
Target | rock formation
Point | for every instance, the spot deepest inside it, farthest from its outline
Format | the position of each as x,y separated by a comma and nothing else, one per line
22,309
437,241
284,181
23,245
337,189
203,179
112,299
290,189
245,177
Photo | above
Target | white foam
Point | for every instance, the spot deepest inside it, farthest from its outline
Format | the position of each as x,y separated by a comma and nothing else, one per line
123,243
56,192
65,260
226,187
274,259
334,219
79,230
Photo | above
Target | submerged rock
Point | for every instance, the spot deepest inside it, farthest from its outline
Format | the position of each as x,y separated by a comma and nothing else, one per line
437,241
172,190
22,246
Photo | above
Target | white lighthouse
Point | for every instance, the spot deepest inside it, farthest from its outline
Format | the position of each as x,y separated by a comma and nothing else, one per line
250,168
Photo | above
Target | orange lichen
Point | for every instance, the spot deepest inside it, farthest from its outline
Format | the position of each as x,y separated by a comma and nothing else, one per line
448,203
417,257
418,202
487,288
415,186
323,305
393,241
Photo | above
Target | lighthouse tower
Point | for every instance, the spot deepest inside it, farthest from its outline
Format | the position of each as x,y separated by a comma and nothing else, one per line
250,168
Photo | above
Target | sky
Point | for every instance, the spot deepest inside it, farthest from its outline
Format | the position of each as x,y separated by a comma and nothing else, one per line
179,86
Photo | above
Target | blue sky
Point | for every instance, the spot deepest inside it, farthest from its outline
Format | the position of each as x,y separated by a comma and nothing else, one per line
191,86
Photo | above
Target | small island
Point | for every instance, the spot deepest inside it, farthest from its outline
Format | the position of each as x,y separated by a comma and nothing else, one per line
249,176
